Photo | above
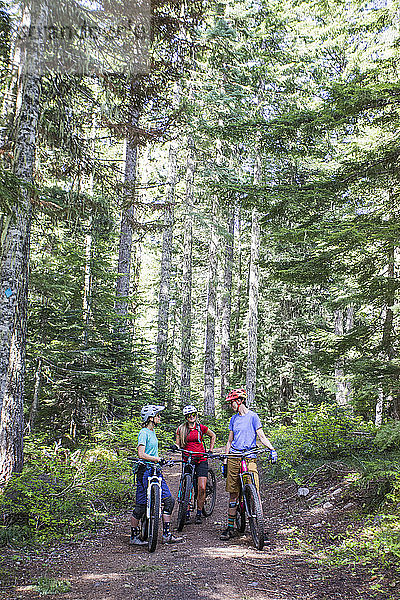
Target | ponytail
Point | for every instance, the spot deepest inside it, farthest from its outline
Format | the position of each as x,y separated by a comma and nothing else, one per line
183,432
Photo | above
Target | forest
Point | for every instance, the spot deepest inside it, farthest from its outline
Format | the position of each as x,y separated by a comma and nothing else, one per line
223,214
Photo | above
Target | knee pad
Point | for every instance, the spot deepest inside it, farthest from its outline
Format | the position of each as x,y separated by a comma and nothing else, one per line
168,505
233,504
139,511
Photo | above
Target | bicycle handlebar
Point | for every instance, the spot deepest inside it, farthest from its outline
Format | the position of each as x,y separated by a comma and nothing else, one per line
244,453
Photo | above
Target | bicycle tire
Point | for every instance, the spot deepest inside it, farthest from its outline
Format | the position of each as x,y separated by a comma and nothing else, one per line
185,486
254,515
154,519
241,515
211,493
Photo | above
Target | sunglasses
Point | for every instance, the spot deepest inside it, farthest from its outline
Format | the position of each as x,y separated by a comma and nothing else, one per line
191,415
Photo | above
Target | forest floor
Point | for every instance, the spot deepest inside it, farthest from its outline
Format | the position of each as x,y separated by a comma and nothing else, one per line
104,567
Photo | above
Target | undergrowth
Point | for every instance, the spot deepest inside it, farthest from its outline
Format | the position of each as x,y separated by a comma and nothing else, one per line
367,461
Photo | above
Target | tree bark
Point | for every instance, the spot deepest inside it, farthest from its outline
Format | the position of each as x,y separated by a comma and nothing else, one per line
209,359
343,324
165,276
186,316
379,408
14,270
226,308
393,396
35,402
127,222
238,364
251,372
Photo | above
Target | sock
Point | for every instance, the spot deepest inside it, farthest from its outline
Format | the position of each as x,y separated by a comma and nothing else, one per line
135,531
199,512
231,521
166,528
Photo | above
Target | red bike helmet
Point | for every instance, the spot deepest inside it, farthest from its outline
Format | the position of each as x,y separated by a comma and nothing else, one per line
236,396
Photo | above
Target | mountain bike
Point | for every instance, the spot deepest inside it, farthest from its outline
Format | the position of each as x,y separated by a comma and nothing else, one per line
249,503
150,522
188,488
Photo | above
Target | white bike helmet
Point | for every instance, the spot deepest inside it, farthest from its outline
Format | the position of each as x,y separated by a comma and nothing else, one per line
189,409
150,410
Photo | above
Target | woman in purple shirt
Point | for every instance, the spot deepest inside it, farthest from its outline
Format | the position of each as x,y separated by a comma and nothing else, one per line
244,428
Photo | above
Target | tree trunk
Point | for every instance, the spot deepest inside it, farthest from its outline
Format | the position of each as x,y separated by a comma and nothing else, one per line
14,271
209,359
251,372
35,402
343,324
393,397
127,222
238,364
226,308
164,294
379,408
187,279
123,282
87,286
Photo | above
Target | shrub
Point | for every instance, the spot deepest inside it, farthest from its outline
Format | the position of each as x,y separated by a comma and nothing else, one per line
324,433
388,436
64,493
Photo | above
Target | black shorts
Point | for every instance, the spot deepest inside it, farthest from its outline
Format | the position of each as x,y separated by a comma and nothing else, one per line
201,468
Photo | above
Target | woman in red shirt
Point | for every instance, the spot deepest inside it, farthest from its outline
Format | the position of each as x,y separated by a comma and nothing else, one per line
189,436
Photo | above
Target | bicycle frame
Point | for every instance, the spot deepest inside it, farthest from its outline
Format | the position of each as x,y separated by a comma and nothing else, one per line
189,487
245,475
156,480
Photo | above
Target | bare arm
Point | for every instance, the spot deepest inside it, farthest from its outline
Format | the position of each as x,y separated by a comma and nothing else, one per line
213,437
229,442
143,456
263,439
177,440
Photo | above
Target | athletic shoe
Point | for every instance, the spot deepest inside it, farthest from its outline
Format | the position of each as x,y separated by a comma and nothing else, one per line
228,534
136,541
198,520
169,538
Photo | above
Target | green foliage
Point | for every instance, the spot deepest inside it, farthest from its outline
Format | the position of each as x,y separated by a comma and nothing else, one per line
388,436
49,585
62,493
326,432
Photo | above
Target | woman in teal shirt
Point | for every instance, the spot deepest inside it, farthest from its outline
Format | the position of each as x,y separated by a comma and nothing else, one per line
148,452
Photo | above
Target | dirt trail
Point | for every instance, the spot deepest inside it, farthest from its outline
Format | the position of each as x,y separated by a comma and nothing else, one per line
105,567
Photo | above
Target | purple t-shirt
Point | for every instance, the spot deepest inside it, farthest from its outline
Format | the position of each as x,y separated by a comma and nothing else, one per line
244,429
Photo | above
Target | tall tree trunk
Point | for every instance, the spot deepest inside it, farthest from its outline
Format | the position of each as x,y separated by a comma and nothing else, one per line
127,222
379,408
393,397
187,279
89,245
14,270
164,294
35,402
251,373
226,308
343,324
87,285
238,364
123,283
209,359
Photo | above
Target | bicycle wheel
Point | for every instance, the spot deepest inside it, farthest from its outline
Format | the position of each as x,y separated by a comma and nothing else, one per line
241,514
185,489
211,493
154,519
255,515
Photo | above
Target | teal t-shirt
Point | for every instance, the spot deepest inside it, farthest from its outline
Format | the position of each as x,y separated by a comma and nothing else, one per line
148,439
